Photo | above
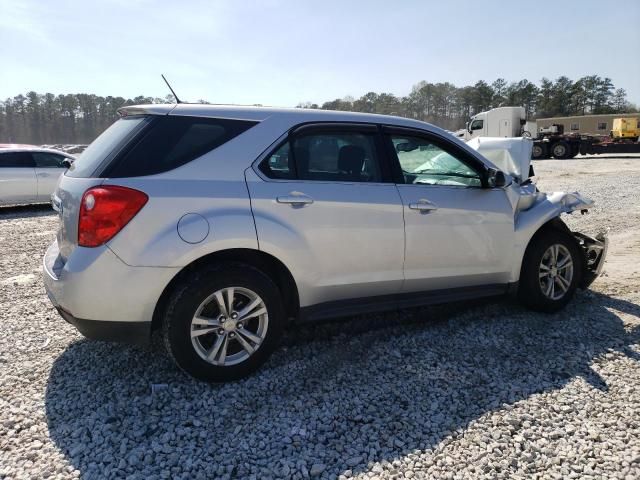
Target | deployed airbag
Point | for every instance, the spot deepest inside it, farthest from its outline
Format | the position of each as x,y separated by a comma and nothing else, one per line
511,155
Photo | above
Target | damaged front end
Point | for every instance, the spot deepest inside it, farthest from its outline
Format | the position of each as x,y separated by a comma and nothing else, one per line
595,251
535,209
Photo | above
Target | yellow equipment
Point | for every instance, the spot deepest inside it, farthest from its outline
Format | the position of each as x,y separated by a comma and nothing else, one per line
625,128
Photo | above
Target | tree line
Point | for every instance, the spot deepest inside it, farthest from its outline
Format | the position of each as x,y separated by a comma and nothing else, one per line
79,118
61,119
450,107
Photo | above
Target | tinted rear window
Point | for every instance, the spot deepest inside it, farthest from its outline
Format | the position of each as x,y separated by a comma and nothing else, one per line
106,146
171,141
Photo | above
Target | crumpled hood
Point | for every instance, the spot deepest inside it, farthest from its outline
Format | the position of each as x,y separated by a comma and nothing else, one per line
511,155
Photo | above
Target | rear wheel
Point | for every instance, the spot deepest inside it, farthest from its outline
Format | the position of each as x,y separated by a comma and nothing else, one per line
561,150
222,322
551,270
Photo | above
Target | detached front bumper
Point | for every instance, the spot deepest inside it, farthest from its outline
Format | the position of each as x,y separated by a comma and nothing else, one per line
595,252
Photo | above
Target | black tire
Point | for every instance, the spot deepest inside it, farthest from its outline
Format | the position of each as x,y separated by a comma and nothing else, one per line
561,150
530,287
191,291
537,152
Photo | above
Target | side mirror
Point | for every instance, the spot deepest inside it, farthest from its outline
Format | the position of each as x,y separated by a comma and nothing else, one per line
66,163
496,178
406,147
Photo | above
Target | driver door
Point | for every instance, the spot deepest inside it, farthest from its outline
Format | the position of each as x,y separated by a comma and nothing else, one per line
458,233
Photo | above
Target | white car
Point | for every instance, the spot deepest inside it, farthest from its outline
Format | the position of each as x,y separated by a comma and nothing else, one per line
29,174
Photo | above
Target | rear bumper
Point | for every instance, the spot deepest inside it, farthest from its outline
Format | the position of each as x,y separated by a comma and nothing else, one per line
124,332
103,297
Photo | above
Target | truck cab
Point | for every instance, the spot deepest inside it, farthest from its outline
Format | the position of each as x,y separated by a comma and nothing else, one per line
498,122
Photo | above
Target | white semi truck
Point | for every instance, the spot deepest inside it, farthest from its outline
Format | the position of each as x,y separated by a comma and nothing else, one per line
547,142
501,122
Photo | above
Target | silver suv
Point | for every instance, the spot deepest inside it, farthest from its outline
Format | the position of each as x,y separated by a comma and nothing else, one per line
219,225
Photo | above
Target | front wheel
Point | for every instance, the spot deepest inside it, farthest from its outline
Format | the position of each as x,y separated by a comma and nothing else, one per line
551,271
223,321
537,152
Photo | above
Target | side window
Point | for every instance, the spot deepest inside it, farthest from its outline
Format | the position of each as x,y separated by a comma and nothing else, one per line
171,141
477,125
279,164
346,157
326,157
16,160
48,160
424,162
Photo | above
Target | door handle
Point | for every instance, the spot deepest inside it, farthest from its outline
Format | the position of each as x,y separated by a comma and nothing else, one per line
423,205
295,198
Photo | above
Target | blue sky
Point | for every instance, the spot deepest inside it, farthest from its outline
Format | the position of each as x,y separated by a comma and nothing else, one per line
279,52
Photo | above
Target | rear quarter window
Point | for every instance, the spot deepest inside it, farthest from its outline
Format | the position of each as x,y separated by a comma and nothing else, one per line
106,146
171,141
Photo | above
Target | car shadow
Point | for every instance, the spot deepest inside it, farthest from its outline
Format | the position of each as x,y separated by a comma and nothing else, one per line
33,210
375,390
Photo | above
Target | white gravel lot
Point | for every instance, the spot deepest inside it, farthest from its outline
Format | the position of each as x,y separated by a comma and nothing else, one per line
480,390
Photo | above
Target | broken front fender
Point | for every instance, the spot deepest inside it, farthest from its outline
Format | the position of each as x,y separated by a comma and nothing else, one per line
569,202
543,210
546,207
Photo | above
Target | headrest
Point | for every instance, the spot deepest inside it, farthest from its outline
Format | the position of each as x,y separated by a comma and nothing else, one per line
302,159
351,159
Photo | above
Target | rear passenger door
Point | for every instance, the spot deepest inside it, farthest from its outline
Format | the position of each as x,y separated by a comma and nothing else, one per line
49,166
324,203
17,178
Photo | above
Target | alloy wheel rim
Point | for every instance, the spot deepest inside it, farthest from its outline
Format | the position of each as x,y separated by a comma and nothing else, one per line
555,272
229,326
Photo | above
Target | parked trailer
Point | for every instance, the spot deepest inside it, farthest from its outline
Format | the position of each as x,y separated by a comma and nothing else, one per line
552,142
608,148
547,142
568,146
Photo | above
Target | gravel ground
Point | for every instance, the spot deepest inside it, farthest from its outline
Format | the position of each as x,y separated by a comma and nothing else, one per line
480,390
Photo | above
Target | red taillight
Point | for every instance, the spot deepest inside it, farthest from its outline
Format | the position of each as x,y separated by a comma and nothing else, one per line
105,211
